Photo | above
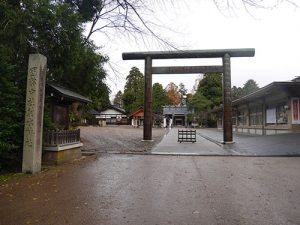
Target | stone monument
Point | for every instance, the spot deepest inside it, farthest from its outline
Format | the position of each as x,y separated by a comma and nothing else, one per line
33,130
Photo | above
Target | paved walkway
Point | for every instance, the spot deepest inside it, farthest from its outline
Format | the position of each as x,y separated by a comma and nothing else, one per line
209,142
170,145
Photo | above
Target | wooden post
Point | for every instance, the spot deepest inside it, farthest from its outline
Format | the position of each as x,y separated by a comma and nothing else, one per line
248,122
236,118
227,108
263,114
148,100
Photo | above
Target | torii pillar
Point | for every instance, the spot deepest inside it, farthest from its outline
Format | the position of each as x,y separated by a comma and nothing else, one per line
225,54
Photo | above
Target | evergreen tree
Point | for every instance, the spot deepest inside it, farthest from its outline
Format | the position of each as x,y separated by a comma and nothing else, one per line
182,90
236,92
12,107
183,93
199,102
249,87
133,96
211,88
208,95
118,101
159,98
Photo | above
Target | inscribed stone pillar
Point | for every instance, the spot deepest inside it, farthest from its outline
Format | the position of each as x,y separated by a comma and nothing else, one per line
33,130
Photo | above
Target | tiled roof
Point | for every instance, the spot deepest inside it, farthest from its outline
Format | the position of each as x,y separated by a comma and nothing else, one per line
272,88
68,94
118,108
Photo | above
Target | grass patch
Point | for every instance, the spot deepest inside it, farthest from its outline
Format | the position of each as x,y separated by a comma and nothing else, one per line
10,176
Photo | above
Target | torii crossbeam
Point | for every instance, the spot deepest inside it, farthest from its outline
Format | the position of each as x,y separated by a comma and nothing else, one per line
225,54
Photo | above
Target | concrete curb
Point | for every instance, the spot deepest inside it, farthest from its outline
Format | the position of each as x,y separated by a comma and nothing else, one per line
211,139
196,154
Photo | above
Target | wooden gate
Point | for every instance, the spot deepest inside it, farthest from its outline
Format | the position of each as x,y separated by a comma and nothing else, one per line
187,136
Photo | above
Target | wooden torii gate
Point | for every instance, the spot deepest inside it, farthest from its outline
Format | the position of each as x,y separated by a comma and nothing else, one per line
225,54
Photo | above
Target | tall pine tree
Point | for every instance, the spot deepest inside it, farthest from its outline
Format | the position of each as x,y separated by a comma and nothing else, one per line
159,98
133,96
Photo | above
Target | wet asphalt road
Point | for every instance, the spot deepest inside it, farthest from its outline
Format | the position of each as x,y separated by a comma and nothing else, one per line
155,189
209,142
247,144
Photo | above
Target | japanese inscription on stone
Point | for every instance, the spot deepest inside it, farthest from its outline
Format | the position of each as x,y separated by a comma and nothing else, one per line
34,113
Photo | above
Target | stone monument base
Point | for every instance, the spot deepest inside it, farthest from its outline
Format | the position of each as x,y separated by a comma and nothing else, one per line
56,155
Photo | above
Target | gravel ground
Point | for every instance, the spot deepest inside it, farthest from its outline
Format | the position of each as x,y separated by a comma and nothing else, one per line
118,139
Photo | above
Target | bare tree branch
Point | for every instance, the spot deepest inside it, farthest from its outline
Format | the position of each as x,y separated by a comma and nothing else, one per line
131,17
127,16
232,5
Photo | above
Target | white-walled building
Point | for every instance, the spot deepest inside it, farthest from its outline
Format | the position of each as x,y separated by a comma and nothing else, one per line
273,109
112,116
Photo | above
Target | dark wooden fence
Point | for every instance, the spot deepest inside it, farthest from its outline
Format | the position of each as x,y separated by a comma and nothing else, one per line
186,136
62,137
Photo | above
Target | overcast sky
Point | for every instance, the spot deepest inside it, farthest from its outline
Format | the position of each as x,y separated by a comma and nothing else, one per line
196,24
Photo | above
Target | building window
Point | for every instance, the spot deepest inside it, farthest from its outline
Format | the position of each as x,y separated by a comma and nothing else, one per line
281,114
259,118
256,116
271,115
295,111
241,118
234,117
111,120
277,114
